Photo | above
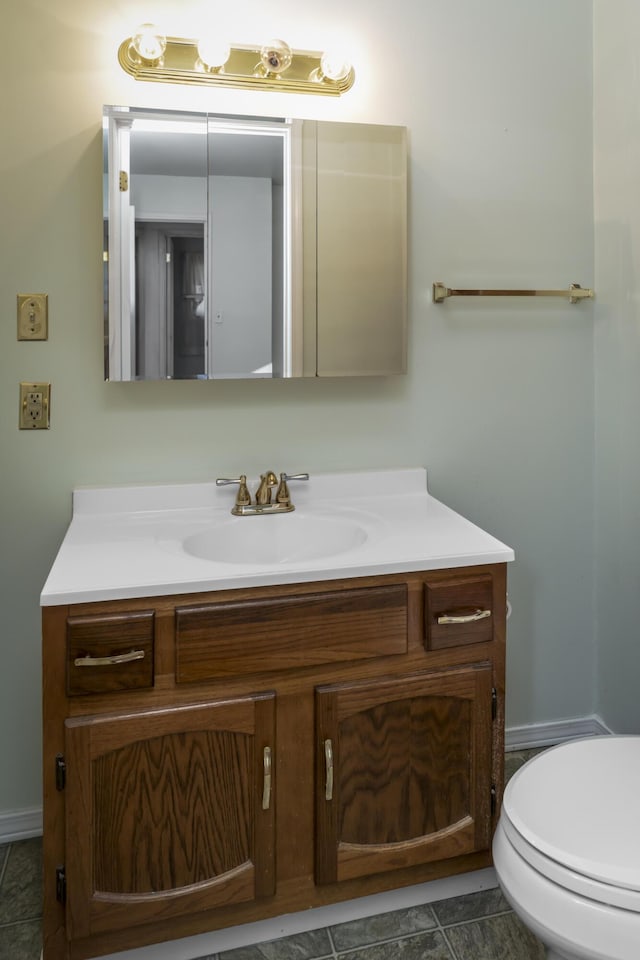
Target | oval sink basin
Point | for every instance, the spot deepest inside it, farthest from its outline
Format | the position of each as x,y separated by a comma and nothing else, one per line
287,538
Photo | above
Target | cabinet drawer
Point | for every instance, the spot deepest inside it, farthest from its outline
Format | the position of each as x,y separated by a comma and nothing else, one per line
106,653
229,639
458,611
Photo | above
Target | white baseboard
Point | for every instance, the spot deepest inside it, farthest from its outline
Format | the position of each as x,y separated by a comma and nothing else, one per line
20,824
532,735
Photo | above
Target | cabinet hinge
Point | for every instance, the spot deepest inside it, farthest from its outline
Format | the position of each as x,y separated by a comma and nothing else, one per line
61,772
493,799
61,885
494,703
124,181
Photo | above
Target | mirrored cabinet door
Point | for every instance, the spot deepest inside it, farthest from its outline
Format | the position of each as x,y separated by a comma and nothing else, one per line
253,174
361,249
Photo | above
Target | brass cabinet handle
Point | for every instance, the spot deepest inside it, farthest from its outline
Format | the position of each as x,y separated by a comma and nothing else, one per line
109,661
328,759
466,617
266,787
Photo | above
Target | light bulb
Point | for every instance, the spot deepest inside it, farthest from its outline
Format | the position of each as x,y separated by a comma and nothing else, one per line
276,56
213,51
334,65
148,42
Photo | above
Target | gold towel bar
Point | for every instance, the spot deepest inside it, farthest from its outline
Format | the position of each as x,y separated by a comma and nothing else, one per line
575,293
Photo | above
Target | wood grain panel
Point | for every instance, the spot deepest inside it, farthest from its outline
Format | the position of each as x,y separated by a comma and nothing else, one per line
230,639
153,802
404,769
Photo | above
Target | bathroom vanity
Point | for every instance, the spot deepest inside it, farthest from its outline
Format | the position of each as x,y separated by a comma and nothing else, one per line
250,716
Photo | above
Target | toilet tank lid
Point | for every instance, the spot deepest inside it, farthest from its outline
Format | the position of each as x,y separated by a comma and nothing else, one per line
578,803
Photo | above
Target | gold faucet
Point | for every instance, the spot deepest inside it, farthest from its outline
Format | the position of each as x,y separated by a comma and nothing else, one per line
263,493
243,506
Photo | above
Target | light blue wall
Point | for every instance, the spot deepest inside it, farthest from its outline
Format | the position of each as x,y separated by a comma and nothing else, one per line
498,402
617,339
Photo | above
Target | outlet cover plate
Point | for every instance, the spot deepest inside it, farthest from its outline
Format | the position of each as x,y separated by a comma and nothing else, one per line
35,404
33,316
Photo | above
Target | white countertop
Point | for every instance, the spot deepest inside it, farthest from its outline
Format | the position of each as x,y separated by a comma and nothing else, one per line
126,542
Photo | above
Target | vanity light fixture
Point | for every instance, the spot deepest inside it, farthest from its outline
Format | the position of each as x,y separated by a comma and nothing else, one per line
149,55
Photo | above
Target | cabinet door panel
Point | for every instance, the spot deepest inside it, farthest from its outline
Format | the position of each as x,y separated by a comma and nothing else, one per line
411,762
168,812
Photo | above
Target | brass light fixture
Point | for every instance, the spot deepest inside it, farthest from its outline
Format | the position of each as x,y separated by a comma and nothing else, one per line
149,55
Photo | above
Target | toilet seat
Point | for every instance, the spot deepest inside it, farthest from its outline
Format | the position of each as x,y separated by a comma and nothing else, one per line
573,813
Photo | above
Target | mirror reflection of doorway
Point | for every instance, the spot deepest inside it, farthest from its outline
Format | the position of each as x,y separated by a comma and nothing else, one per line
188,321
170,300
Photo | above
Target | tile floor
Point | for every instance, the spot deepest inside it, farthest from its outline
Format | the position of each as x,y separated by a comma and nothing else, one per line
478,926
20,900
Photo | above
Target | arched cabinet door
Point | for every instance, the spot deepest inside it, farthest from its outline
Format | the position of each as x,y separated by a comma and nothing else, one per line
403,771
169,812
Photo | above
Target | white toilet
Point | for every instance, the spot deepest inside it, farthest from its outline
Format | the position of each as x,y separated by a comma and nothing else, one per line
567,848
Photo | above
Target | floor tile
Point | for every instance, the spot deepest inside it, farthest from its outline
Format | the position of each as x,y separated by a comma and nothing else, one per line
472,906
425,946
497,938
21,888
383,926
302,946
21,941
516,758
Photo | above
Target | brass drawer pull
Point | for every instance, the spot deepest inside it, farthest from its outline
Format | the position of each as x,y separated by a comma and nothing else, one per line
328,758
109,661
465,618
266,788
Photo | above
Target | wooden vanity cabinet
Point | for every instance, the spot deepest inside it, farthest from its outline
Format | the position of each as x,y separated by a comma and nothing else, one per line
221,758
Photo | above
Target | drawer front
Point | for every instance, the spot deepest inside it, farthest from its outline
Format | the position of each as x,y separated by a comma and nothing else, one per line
458,611
230,639
107,653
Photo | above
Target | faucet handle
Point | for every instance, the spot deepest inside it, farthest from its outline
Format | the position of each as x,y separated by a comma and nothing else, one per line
243,497
282,494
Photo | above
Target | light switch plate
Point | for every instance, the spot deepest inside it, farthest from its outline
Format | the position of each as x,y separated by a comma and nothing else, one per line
33,316
35,404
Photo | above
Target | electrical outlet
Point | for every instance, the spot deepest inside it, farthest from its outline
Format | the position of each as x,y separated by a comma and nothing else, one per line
35,403
33,316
